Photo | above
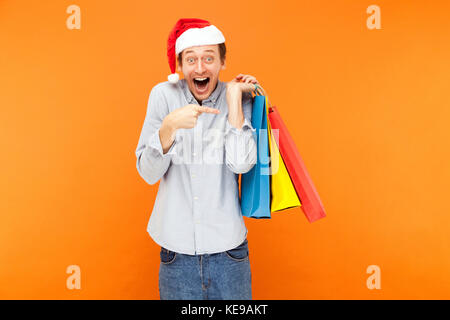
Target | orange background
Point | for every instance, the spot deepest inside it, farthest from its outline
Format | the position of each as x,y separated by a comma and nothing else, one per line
368,109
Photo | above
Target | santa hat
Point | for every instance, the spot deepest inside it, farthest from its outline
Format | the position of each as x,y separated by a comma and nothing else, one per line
189,33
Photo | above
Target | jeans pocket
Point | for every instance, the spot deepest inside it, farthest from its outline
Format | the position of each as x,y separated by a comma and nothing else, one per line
167,256
240,253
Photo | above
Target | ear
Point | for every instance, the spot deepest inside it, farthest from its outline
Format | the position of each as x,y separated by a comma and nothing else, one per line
223,66
176,61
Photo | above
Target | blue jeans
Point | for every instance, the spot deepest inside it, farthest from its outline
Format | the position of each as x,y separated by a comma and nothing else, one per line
219,276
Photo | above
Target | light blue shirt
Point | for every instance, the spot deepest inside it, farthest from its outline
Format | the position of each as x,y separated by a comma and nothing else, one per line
197,208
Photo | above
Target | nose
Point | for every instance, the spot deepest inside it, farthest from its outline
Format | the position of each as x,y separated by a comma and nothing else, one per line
199,67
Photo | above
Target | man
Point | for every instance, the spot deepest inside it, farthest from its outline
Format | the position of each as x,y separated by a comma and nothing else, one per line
197,138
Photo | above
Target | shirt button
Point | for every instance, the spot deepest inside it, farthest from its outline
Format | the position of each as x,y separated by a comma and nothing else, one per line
195,198
194,154
193,176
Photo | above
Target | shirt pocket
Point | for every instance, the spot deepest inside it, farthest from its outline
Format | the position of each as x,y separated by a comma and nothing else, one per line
213,146
183,152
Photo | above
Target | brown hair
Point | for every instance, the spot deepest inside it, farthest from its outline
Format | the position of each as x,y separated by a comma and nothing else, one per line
222,52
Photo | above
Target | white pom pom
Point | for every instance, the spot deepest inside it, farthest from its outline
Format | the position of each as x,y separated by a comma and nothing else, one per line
173,78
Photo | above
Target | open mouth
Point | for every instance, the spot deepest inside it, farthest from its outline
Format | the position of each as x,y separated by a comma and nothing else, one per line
201,84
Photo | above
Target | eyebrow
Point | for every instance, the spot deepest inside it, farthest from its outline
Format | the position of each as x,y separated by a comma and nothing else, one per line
191,51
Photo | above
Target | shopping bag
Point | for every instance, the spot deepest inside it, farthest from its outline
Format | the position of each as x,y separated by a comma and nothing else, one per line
311,204
282,191
255,184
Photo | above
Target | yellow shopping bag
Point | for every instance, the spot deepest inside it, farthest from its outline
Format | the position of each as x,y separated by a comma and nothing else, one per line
282,191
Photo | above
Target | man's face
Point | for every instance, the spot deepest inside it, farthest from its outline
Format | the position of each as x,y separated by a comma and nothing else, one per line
201,67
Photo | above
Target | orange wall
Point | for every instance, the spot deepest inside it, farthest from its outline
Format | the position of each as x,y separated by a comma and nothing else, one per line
369,111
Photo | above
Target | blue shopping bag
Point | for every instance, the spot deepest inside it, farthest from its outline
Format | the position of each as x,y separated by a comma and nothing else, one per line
255,184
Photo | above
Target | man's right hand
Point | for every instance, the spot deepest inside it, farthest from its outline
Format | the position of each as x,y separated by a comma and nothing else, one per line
186,117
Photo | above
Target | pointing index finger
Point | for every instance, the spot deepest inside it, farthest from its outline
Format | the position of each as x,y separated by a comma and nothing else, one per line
203,109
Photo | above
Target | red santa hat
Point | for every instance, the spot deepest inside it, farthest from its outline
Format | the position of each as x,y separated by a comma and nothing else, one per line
189,33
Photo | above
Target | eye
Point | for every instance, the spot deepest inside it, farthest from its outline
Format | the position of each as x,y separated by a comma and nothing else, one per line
190,60
209,59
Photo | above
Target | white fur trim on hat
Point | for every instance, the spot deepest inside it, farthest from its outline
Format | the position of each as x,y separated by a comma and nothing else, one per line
198,37
173,78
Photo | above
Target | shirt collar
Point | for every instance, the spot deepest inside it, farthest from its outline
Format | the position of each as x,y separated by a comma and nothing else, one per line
213,97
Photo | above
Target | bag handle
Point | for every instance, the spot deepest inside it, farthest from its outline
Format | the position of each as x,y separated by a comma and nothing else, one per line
259,91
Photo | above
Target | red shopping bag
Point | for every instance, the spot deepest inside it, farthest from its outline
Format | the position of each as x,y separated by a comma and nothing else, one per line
311,204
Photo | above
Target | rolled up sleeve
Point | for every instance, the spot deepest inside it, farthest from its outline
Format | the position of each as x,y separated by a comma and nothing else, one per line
151,162
240,144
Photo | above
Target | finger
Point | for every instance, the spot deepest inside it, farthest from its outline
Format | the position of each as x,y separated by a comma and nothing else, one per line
240,75
248,87
244,78
202,109
250,79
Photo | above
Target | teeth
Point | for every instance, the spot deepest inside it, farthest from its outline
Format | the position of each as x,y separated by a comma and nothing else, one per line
200,79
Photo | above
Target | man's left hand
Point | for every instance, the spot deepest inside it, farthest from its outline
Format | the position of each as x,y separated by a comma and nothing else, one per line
242,83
